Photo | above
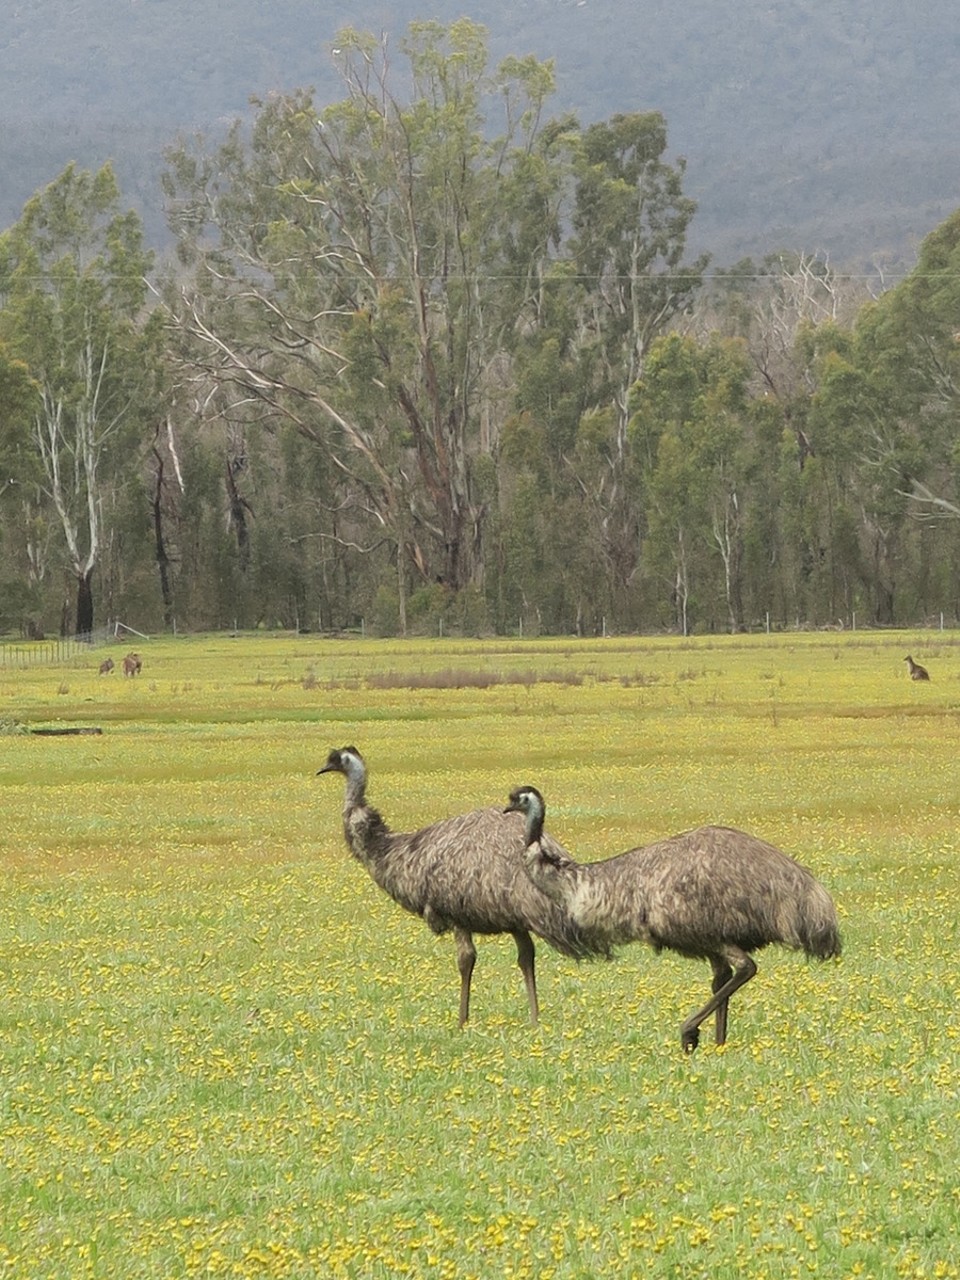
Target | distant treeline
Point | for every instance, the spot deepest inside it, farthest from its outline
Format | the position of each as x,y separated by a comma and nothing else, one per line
442,361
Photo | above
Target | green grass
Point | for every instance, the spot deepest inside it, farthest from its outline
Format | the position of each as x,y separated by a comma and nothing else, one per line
224,1052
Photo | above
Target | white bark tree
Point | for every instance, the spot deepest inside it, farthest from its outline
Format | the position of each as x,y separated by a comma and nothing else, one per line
74,270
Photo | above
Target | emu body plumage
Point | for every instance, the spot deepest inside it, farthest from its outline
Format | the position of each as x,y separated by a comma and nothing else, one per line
464,874
714,893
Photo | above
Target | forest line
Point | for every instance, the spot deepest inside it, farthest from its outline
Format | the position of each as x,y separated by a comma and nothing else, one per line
431,358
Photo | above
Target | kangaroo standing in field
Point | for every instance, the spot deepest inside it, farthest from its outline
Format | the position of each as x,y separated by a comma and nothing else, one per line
916,671
132,664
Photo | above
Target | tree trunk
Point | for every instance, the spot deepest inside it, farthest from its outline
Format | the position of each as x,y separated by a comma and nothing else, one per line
163,560
84,627
727,539
238,517
681,590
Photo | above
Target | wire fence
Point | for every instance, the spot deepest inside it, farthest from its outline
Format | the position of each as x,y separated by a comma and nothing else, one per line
35,653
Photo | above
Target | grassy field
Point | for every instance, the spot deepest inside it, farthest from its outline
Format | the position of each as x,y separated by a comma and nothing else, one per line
224,1052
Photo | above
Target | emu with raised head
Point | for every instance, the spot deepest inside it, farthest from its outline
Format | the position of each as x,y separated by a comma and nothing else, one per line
464,874
715,893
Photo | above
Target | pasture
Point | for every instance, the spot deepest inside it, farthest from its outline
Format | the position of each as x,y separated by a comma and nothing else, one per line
224,1052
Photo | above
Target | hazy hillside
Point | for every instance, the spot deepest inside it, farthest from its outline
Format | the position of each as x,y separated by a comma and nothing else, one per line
829,124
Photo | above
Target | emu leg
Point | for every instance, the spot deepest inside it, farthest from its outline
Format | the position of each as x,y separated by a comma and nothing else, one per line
722,973
525,959
466,959
744,970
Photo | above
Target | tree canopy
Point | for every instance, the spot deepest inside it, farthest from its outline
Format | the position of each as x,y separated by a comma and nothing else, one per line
433,356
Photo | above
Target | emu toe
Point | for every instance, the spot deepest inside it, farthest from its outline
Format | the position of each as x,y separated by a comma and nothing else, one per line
689,1038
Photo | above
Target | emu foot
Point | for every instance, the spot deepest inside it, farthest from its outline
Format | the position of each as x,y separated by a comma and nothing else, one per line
689,1038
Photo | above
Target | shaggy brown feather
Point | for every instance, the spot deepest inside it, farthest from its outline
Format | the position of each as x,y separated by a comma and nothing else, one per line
715,893
464,874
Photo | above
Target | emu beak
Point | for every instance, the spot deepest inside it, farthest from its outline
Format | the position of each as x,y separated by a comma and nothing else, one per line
327,768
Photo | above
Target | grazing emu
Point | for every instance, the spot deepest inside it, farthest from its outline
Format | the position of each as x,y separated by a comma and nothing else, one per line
714,893
916,671
106,666
464,873
132,664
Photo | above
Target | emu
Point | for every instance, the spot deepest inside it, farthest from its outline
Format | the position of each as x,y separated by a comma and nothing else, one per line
916,671
132,664
463,874
714,893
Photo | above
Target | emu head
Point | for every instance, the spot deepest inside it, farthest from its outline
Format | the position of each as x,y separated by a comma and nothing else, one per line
349,762
529,802
545,866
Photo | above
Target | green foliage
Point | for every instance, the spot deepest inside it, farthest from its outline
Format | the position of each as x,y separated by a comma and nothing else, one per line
18,402
74,271
385,615
393,268
428,608
701,463
884,414
433,359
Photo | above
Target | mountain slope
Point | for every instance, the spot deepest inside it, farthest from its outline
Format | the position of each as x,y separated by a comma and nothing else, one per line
819,124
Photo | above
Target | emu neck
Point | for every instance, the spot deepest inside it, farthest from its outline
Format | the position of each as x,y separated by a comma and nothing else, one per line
364,828
356,780
385,855
561,884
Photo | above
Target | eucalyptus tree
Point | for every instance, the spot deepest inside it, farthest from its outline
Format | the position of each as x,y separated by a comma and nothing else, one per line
546,562
630,220
618,281
909,343
23,561
699,452
350,269
17,402
73,279
886,405
834,528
